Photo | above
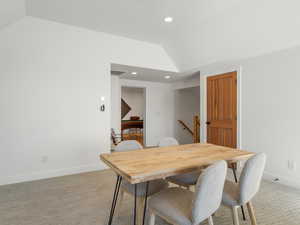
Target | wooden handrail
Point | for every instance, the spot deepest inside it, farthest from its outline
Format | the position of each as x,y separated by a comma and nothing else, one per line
186,127
196,136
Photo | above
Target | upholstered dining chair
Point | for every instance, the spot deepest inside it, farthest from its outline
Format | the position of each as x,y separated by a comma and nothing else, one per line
128,145
186,180
126,187
167,141
237,195
115,137
183,207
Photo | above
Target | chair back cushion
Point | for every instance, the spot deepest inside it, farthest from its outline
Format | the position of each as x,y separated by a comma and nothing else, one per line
128,146
168,141
208,193
251,177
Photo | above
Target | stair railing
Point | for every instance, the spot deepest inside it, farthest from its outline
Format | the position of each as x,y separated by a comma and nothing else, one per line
185,127
196,128
196,123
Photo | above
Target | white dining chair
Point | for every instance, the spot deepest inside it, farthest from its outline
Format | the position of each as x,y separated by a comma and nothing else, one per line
237,195
186,180
183,207
128,145
167,141
126,187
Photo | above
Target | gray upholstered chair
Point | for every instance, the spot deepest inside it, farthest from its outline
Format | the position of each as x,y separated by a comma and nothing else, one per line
128,145
186,180
126,187
237,195
167,141
183,207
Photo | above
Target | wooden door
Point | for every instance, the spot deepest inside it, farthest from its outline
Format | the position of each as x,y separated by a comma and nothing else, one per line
222,109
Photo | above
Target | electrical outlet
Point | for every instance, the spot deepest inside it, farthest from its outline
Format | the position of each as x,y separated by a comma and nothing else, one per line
44,159
291,165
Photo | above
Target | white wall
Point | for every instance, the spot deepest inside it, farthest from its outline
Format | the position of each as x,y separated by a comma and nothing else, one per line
270,110
187,105
159,109
11,11
52,77
134,97
192,80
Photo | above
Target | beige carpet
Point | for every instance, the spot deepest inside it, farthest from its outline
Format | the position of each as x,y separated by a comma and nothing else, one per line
85,199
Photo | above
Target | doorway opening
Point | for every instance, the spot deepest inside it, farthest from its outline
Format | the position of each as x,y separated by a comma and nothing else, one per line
133,111
187,113
156,120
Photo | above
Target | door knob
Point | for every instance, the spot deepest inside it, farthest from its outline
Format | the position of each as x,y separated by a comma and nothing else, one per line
207,123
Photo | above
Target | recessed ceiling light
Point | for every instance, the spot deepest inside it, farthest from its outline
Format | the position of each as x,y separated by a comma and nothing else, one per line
133,73
168,19
167,77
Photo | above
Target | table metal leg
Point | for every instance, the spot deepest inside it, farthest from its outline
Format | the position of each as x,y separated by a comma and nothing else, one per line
135,199
234,173
145,204
115,198
236,181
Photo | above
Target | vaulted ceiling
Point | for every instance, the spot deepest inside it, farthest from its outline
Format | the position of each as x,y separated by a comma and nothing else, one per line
203,31
137,19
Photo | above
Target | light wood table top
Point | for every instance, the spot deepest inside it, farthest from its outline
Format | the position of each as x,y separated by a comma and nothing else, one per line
150,164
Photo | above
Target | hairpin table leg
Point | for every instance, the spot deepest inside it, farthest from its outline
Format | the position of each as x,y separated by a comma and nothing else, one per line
115,198
145,204
236,181
135,199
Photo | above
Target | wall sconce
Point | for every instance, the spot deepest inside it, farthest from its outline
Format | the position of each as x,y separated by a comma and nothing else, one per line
102,104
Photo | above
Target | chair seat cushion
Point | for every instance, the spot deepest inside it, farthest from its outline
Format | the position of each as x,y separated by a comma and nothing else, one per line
231,194
154,187
185,179
173,204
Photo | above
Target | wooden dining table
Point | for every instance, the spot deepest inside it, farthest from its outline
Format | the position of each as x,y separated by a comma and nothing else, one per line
158,163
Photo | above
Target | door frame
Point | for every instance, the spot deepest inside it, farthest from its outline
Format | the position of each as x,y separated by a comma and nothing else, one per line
203,101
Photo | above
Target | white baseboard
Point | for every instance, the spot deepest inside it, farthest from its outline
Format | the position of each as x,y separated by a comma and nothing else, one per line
51,173
288,181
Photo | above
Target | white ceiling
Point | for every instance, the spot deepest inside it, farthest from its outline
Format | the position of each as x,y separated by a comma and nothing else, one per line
146,74
203,31
137,19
